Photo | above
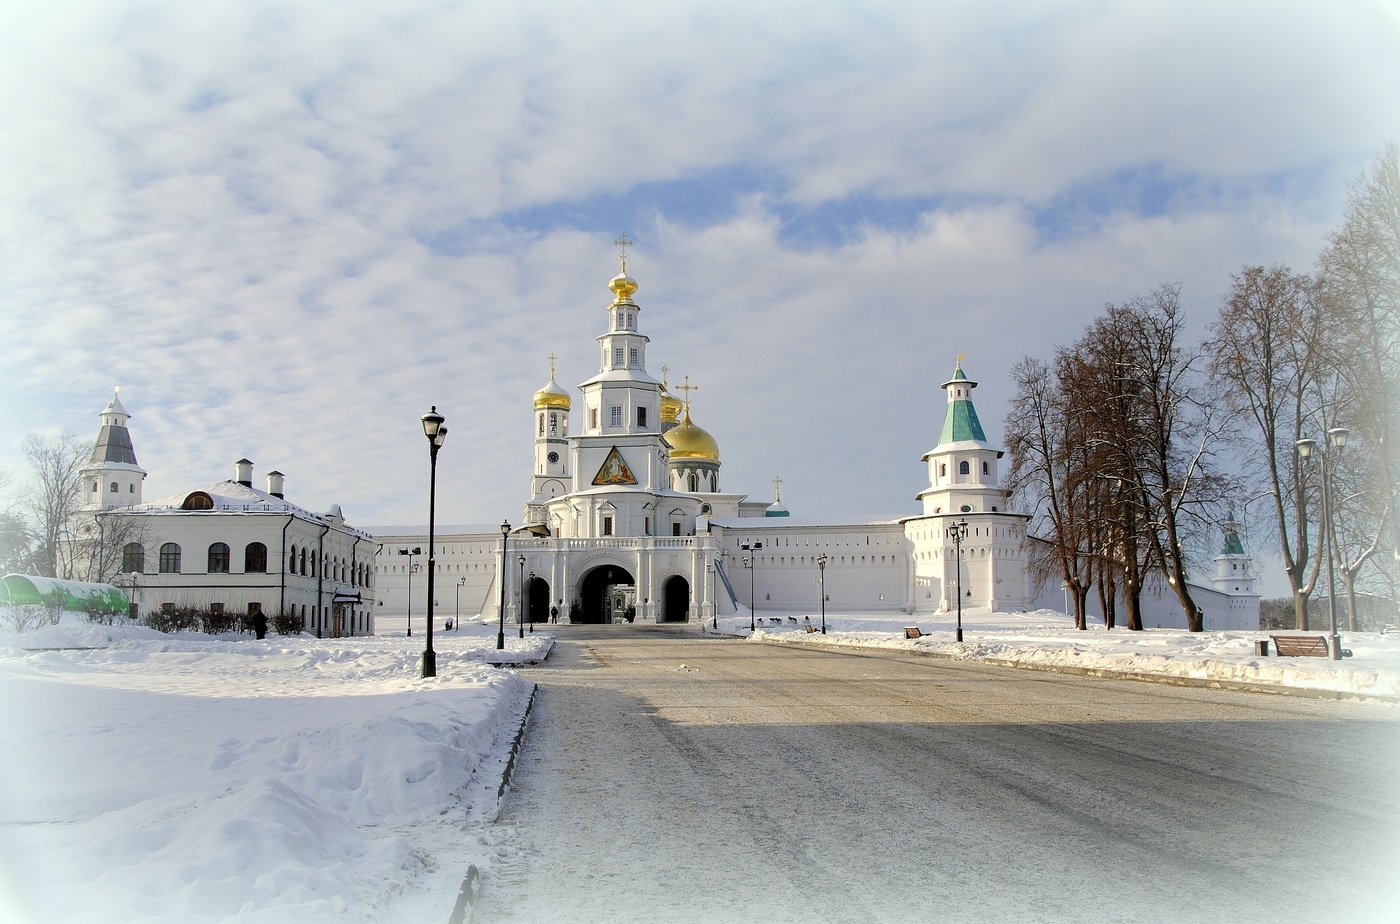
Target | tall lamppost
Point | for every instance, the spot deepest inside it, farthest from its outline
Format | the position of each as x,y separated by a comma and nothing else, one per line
532,615
405,550
1307,449
501,633
752,549
461,582
958,532
714,610
821,568
436,433
135,609
520,599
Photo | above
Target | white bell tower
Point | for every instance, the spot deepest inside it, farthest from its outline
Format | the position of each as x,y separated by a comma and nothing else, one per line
111,477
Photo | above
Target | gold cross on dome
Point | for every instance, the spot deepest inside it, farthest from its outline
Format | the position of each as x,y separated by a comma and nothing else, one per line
552,360
622,244
688,388
778,487
664,370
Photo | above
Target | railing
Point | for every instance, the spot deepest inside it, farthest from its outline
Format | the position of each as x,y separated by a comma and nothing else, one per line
631,543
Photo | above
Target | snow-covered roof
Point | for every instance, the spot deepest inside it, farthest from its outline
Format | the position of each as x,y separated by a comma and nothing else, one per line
234,497
750,523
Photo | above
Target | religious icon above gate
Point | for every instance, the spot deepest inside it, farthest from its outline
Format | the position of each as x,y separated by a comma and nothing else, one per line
614,471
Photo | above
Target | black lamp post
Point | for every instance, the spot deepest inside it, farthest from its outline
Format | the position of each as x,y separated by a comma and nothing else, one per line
501,633
958,532
461,582
520,599
714,610
532,615
135,609
821,568
437,434
1336,441
411,568
752,549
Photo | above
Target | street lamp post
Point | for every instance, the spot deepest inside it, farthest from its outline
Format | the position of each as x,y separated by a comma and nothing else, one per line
461,582
134,610
752,549
958,532
714,610
821,567
408,606
520,599
1307,449
436,433
532,615
501,633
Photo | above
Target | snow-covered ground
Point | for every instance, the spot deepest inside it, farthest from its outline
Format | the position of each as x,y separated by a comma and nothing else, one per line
146,777
155,778
1048,639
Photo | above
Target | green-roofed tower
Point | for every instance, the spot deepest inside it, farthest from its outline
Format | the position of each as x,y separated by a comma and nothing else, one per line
961,424
962,468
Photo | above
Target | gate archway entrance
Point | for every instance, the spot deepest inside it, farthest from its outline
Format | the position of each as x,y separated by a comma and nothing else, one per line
537,600
608,594
675,599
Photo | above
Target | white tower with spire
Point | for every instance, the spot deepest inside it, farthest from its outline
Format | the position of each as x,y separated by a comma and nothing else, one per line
1234,568
112,478
965,494
551,478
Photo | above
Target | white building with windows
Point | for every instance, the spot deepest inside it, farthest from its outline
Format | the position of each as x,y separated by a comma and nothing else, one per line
227,547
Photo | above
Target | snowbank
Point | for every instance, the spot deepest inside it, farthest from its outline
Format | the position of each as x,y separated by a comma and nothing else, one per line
1048,639
152,778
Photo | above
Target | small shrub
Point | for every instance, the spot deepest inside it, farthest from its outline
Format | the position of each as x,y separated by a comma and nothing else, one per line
21,617
286,624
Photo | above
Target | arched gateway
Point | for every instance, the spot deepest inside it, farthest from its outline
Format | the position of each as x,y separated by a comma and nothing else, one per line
675,599
608,593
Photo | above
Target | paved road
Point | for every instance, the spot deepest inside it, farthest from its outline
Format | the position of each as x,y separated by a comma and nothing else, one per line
673,778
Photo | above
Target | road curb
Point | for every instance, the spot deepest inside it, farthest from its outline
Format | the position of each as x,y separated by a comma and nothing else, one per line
1236,686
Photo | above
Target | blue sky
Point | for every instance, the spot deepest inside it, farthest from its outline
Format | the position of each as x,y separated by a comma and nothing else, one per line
287,229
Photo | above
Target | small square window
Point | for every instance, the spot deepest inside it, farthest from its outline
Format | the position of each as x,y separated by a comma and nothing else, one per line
616,416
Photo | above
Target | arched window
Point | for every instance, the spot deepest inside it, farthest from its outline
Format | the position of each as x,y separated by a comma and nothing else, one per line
133,558
218,558
984,467
255,558
170,558
292,561
115,489
313,564
942,470
302,569
963,468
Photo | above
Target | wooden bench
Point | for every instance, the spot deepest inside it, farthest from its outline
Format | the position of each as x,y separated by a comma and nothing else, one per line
912,632
1301,646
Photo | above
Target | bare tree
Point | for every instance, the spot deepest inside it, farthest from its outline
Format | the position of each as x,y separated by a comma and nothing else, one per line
52,498
1040,440
1267,363
1361,269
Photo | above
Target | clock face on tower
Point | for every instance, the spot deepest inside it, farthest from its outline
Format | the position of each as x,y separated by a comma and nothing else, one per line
553,457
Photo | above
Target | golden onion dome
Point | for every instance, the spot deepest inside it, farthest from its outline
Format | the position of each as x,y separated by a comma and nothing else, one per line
691,442
552,396
623,286
670,407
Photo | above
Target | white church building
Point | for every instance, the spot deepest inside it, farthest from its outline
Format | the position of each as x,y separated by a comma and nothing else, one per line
626,520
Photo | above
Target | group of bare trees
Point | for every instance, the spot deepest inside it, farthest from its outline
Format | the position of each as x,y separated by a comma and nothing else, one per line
1127,445
1113,448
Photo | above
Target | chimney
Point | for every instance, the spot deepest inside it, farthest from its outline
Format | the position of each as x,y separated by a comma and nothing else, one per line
243,472
275,481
